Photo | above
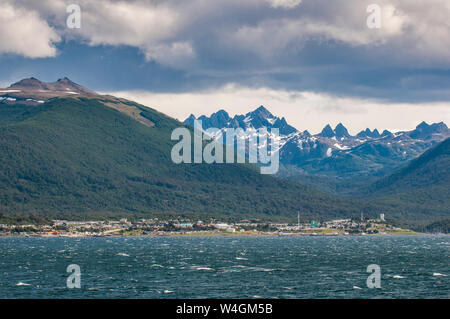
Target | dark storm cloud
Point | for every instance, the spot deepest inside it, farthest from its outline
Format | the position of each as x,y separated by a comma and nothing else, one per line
173,46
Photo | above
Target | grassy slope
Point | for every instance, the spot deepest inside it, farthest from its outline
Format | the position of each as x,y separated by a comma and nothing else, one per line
79,158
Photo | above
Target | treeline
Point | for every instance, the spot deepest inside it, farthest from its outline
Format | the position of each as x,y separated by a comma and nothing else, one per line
442,227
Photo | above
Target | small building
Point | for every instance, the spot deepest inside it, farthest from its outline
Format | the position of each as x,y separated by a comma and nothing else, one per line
222,226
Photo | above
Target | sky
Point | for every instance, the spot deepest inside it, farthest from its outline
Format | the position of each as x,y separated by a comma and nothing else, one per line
311,61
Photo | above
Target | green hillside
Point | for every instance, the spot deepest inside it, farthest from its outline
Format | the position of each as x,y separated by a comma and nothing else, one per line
422,187
82,158
431,168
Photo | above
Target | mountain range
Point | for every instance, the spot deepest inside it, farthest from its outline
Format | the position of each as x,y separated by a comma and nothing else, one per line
31,91
68,152
334,152
91,156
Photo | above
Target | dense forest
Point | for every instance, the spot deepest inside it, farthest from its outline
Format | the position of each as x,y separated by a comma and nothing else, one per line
79,158
83,158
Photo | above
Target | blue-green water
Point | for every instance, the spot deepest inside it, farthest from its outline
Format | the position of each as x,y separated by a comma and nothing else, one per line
230,267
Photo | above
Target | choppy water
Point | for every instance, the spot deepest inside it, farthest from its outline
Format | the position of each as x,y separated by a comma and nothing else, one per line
230,267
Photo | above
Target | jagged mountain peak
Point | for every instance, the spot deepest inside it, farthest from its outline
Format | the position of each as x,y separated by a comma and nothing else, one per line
386,133
31,91
30,83
335,152
260,112
190,120
422,125
66,80
341,131
32,87
262,108
440,126
367,133
221,113
375,133
260,117
327,132
218,119
425,130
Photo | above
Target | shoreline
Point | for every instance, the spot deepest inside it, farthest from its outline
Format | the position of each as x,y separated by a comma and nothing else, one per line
225,235
188,228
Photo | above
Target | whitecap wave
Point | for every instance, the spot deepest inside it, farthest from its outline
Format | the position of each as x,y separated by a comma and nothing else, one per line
22,284
437,274
203,268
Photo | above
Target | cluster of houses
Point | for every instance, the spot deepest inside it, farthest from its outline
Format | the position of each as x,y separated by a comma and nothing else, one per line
182,226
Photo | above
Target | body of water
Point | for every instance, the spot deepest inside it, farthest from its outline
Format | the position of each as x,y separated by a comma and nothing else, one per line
226,267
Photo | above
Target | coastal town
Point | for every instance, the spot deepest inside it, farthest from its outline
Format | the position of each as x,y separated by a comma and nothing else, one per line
185,227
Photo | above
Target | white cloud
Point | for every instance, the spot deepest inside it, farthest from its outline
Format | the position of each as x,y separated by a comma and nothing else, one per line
303,110
130,23
347,24
150,26
172,30
426,36
287,4
176,54
24,32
